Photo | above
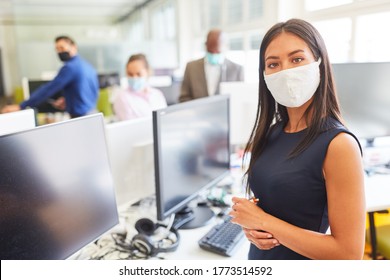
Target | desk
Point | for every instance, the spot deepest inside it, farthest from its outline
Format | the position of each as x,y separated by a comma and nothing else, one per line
190,250
377,189
377,192
187,250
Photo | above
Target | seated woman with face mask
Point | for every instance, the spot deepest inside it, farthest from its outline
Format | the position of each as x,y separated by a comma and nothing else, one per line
138,99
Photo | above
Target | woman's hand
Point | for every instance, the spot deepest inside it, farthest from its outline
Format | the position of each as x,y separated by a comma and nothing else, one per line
250,216
246,213
261,239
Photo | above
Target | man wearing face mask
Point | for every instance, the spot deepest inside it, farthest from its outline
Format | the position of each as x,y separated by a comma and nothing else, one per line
202,76
77,79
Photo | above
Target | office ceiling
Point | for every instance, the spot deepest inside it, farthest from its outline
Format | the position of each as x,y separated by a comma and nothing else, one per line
13,12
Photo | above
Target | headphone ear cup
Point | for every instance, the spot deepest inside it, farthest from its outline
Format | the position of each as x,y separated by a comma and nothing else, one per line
145,226
173,240
144,244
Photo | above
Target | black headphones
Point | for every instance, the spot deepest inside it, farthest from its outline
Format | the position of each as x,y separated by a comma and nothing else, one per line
144,243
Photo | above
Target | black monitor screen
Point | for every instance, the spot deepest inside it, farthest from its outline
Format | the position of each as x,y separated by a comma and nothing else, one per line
56,189
45,106
191,142
109,80
364,93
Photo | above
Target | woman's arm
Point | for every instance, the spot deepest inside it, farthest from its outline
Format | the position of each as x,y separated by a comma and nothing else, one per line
343,173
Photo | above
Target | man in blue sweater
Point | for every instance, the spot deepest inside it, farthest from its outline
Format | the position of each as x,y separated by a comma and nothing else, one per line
77,79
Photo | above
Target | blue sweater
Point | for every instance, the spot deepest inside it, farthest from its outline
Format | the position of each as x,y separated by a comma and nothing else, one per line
79,82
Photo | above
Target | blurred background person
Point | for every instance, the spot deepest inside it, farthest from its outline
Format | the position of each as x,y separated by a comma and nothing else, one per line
202,76
77,79
138,99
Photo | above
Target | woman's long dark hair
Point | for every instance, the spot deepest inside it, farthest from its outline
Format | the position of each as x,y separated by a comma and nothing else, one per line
325,103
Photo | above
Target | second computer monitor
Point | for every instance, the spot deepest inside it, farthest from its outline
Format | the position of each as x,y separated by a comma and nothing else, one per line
363,91
29,86
130,147
192,153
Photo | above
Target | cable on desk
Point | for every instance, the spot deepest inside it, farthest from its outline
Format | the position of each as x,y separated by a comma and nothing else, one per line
134,253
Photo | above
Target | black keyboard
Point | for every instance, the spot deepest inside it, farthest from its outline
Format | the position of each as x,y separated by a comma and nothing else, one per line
223,238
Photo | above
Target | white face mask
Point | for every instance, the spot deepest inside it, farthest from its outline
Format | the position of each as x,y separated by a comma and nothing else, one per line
295,86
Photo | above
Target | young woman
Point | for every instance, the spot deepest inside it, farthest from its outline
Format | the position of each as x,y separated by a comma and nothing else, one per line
139,99
305,167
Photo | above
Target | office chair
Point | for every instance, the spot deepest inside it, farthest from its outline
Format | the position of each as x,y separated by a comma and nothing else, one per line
103,103
383,241
18,95
382,225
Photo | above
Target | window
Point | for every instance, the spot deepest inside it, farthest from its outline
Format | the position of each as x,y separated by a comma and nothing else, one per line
372,42
256,9
255,41
247,57
234,11
236,44
215,13
252,57
313,5
236,50
337,43
163,22
136,30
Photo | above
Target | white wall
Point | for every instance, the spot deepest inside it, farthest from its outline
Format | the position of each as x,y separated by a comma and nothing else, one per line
29,50
36,51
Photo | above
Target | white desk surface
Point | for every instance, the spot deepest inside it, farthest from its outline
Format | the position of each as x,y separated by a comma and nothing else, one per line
377,189
190,250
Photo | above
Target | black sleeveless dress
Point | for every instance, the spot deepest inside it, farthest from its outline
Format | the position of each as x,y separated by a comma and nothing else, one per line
293,189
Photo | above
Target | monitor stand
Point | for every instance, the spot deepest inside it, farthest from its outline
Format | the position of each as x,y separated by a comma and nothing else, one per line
194,217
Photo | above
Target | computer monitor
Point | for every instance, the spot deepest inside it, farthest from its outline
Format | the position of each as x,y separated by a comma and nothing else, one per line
364,94
192,153
243,109
56,189
169,85
17,121
29,86
108,80
130,148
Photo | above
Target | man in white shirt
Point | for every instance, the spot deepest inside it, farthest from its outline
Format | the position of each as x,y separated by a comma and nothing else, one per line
202,76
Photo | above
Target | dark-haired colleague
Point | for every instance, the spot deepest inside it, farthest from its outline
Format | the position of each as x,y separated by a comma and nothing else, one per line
203,76
306,168
77,78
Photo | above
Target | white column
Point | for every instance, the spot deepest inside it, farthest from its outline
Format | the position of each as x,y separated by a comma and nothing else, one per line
184,30
10,59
